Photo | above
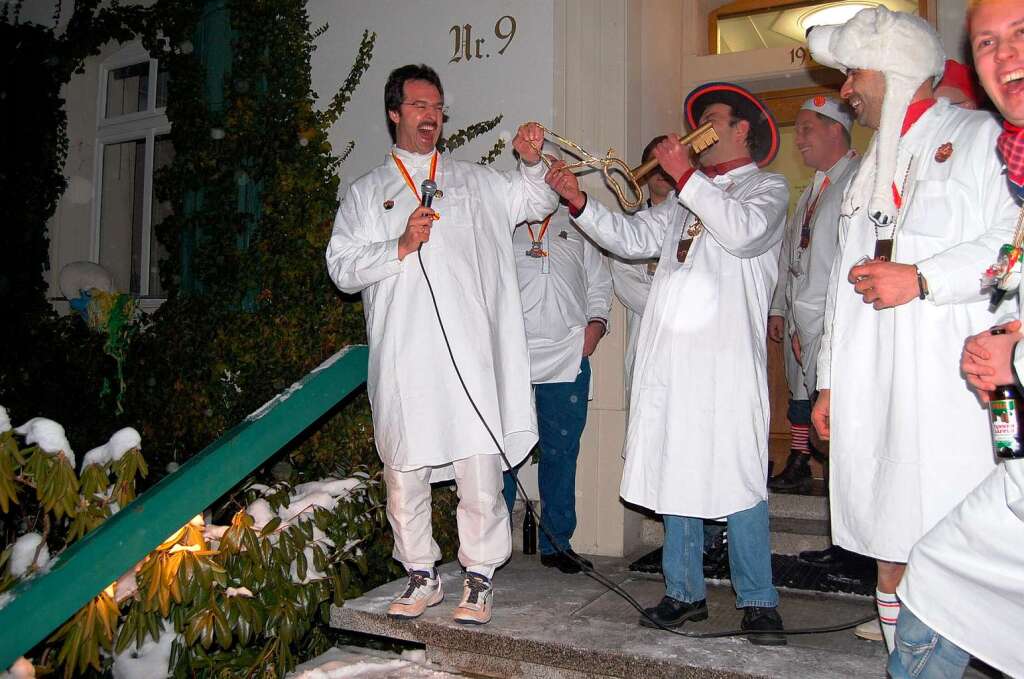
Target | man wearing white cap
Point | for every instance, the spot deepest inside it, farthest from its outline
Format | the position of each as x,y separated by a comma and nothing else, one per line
697,438
929,202
812,235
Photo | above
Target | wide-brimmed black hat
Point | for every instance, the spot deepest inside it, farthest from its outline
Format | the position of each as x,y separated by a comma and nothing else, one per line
744,105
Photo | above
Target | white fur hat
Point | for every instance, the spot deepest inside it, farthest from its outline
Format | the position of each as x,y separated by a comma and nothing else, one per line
907,51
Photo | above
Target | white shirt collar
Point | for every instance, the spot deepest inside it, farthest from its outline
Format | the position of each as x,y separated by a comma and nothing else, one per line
411,159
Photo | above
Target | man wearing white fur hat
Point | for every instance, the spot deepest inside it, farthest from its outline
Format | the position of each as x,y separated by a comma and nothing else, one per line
796,317
930,203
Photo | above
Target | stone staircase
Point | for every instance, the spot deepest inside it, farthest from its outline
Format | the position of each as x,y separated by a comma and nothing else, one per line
549,625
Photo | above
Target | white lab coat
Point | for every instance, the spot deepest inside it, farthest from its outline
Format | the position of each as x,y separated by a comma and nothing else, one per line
965,578
902,418
421,415
804,274
561,294
632,284
697,438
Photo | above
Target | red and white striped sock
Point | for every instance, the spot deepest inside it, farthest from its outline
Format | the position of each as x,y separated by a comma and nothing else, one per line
799,434
888,613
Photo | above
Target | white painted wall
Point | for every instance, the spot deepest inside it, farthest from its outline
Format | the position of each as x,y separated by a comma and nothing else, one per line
517,84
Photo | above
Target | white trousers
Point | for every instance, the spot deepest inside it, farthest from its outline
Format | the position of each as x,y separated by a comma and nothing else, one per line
485,533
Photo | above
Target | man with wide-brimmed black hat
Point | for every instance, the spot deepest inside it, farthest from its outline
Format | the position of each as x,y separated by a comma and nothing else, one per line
697,439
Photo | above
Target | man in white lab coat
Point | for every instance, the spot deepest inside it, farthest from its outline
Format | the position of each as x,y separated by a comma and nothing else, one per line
567,292
812,235
963,592
425,427
891,398
632,279
697,438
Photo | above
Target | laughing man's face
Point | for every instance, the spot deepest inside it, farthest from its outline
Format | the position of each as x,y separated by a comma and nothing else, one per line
997,41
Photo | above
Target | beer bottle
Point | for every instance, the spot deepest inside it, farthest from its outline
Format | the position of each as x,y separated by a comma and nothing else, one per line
529,530
1006,417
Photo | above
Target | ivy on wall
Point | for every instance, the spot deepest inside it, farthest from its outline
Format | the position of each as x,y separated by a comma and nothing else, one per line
253,186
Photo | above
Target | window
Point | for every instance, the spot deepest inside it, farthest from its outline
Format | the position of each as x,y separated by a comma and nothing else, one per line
744,25
132,141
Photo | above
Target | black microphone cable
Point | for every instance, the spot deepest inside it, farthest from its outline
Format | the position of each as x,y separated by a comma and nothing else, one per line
590,570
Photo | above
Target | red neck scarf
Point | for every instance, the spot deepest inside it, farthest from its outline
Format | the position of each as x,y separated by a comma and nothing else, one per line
1011,148
713,171
914,112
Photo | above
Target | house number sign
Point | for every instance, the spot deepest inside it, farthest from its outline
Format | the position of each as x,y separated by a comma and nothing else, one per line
466,48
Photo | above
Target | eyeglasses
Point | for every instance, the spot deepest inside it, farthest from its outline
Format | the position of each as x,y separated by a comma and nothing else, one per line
423,106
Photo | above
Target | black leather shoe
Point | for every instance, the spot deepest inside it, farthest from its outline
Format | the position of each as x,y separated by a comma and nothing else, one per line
766,621
795,477
825,557
583,561
673,613
564,561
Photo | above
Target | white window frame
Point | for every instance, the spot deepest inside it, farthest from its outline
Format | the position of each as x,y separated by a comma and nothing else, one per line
147,125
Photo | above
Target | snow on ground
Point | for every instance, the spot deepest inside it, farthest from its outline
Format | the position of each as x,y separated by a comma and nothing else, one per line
150,661
365,663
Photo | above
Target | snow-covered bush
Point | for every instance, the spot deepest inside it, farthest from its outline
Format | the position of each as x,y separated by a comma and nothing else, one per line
241,598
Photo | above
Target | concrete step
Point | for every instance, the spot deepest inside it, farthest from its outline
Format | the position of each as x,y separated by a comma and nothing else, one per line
550,625
798,523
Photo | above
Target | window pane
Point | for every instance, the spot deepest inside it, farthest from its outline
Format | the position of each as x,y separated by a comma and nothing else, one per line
163,154
127,89
121,212
163,76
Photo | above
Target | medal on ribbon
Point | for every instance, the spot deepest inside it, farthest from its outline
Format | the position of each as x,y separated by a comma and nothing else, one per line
694,230
408,179
537,240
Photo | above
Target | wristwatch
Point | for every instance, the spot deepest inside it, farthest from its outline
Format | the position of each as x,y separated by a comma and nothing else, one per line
922,284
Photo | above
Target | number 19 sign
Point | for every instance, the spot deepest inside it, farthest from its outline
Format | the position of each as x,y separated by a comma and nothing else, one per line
465,47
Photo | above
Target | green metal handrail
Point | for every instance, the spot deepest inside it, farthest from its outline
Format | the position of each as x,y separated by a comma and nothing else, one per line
43,603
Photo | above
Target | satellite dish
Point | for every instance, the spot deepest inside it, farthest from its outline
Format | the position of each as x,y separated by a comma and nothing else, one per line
78,276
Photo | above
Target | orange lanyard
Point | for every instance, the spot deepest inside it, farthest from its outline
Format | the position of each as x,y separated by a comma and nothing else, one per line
539,238
809,214
408,179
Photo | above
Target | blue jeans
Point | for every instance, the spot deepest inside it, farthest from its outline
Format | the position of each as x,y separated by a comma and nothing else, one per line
750,558
561,416
922,653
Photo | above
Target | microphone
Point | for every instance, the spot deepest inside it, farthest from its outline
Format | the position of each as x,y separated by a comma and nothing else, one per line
427,190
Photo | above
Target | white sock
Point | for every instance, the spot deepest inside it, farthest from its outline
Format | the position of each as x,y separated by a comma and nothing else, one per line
486,571
888,612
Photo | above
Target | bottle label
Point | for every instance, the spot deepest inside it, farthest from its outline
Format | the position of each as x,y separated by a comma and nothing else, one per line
1005,432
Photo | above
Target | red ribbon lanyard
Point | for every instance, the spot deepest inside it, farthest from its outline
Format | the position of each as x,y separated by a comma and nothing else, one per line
539,238
809,214
408,178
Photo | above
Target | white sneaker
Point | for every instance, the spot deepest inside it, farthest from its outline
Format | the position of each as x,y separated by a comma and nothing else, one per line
422,592
475,607
870,630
